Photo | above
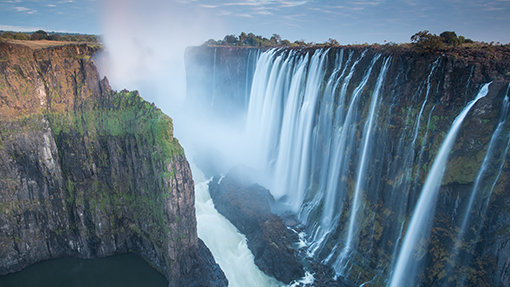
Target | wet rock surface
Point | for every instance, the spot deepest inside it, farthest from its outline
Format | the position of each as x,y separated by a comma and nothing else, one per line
89,172
247,206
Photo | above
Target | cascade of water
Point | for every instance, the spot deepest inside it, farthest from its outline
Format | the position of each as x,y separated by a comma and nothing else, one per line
365,154
251,64
322,147
292,162
257,121
344,143
408,262
213,97
332,170
403,166
330,210
475,216
426,136
418,119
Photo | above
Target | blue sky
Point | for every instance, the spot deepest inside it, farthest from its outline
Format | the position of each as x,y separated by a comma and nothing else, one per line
357,21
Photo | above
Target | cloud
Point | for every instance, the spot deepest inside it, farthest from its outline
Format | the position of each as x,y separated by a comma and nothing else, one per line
242,4
264,12
292,4
25,9
224,13
293,17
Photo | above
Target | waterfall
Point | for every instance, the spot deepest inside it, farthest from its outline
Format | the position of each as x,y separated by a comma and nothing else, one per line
355,141
344,143
281,115
330,163
324,129
427,94
474,216
297,124
213,97
367,144
408,260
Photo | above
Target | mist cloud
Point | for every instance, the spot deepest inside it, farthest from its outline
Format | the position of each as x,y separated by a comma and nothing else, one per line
145,44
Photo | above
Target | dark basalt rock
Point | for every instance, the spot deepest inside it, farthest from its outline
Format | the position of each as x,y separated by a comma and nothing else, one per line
89,172
247,206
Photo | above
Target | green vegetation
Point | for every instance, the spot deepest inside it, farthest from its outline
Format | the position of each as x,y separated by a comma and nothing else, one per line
424,41
427,42
450,38
252,40
52,36
123,130
127,113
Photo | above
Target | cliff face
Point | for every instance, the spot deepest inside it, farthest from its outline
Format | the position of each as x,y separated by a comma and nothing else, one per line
419,97
89,172
219,78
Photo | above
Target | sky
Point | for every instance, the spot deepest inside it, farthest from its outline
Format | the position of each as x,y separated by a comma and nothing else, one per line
349,22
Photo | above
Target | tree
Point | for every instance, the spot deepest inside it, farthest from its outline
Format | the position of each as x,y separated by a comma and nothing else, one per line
8,35
21,36
54,37
427,42
450,38
230,39
39,35
465,40
300,43
243,38
275,40
332,42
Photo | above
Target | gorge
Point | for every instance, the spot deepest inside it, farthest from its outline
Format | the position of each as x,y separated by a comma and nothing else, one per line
394,162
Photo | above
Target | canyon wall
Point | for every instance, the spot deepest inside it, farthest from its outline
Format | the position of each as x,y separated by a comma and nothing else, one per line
347,138
90,172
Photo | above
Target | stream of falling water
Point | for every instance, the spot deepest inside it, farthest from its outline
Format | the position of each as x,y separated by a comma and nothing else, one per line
407,263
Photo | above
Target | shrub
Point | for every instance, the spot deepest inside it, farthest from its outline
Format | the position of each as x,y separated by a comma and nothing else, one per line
21,36
39,35
425,42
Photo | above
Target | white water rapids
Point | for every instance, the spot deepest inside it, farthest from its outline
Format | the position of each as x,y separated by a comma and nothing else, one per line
227,245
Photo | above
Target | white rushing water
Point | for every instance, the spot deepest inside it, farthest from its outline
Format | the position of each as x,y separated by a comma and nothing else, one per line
227,245
312,124
474,215
418,229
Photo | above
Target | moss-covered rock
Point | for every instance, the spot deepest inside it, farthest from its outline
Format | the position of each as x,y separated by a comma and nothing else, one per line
90,172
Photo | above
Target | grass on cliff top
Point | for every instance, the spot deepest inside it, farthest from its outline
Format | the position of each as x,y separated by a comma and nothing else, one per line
41,44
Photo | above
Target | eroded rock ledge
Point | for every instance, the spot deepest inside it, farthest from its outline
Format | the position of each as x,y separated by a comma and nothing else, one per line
247,206
89,172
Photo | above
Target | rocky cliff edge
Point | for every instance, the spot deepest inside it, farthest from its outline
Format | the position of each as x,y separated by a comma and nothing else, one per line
89,172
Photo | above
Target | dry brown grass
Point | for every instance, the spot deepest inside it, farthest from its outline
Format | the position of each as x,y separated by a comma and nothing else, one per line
40,44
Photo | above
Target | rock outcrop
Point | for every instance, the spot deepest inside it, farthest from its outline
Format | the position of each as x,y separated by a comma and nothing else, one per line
247,206
89,172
